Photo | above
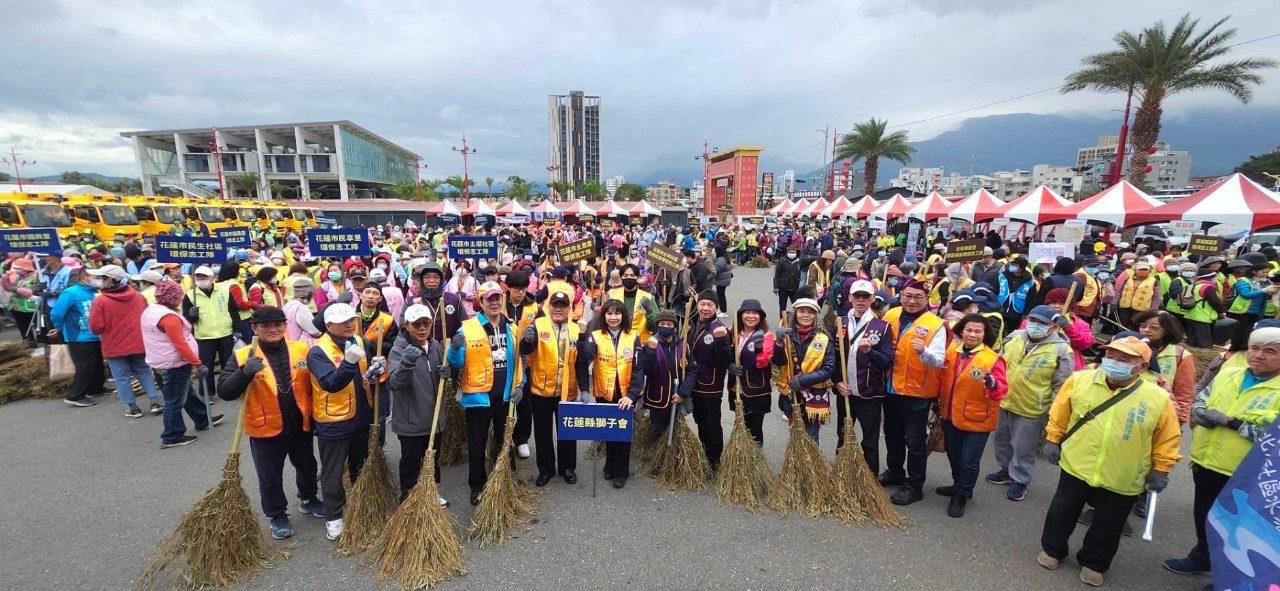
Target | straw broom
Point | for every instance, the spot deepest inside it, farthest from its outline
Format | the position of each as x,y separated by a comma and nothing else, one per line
453,442
846,506
505,500
745,476
373,495
218,541
804,484
682,465
420,546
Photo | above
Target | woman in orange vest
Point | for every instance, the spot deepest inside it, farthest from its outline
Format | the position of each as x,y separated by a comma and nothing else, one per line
973,383
274,378
609,350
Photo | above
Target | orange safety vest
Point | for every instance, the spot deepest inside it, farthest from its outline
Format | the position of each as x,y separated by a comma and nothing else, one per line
262,415
911,377
963,399
546,369
334,407
612,365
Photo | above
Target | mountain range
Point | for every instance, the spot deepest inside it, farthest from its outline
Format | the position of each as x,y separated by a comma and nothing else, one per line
1218,140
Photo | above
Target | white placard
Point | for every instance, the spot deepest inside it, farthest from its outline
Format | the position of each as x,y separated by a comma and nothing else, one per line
1069,233
1050,250
877,224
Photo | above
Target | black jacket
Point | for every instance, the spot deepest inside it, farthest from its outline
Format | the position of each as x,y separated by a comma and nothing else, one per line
232,384
786,275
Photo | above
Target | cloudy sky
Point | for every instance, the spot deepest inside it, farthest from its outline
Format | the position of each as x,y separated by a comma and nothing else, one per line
670,73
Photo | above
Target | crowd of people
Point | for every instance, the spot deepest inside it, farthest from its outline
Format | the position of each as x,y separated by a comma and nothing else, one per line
1080,361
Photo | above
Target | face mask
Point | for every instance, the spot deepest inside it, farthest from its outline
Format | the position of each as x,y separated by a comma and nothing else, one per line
335,276
666,331
1103,275
1189,274
95,283
204,284
382,266
1116,370
1037,331
1014,269
1091,270
629,283
791,255
881,253
893,282
216,268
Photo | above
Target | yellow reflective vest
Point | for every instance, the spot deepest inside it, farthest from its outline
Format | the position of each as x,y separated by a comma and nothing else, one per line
639,318
611,369
1221,449
1030,372
551,373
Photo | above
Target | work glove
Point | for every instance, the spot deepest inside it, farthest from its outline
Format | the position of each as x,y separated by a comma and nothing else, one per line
517,394
457,341
794,383
736,370
202,371
411,356
781,335
375,368
989,382
1062,321
353,353
193,314
686,405
585,396
1052,453
252,366
344,297
1213,418
784,405
685,388
1157,482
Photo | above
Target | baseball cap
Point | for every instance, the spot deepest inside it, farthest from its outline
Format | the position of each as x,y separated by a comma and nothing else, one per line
987,252
417,312
149,276
72,263
268,315
338,312
862,286
377,275
489,289
112,271
559,297
203,270
1045,314
1131,346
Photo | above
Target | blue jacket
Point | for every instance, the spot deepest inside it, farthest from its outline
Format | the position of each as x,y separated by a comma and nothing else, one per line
1257,297
1017,299
70,314
457,357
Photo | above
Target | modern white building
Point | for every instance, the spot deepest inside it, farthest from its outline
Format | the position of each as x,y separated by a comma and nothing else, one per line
1170,170
918,179
785,183
1064,180
317,160
1010,185
573,128
611,184
696,196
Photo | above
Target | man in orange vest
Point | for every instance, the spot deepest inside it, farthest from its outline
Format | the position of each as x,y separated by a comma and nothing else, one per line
275,379
920,348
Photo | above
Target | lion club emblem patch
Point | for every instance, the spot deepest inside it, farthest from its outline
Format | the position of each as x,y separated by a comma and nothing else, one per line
922,331
873,338
544,336
818,346
751,347
626,352
449,309
707,339
975,373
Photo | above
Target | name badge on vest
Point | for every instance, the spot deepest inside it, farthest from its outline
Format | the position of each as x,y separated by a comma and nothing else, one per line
627,352
818,346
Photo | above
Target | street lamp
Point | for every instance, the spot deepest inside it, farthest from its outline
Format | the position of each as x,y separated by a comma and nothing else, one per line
465,151
17,164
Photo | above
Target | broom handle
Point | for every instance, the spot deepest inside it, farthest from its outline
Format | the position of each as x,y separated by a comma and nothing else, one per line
435,414
377,388
736,399
850,380
244,407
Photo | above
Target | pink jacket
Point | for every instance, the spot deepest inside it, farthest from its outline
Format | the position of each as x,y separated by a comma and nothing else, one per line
1079,335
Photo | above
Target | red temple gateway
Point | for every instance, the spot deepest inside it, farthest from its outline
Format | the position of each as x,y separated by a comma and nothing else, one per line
730,186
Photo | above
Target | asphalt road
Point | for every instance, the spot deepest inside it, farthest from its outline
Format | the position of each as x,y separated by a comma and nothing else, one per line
88,494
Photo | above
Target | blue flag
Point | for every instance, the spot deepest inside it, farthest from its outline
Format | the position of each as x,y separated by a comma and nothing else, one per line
1243,525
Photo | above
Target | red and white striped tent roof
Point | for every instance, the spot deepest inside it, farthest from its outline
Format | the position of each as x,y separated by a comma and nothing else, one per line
862,208
610,208
932,207
837,208
892,209
578,207
815,208
479,207
796,207
1035,207
546,207
512,208
643,208
1114,205
981,206
444,207
781,207
1235,200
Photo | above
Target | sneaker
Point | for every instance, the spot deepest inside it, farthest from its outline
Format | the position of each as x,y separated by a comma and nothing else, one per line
906,495
443,501
312,507
156,408
81,402
333,529
133,412
522,451
946,491
1140,507
185,439
1090,577
1000,478
213,422
1086,518
1017,491
1185,566
1047,561
475,499
889,478
281,528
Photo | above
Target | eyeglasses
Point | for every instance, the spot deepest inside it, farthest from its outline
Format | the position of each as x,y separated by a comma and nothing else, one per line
420,324
911,297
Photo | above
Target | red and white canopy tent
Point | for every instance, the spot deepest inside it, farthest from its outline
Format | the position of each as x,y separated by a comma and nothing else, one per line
611,209
513,208
781,207
814,208
544,210
837,208
981,206
795,208
862,208
932,207
1115,205
479,207
1235,200
642,208
578,207
892,209
444,207
1035,207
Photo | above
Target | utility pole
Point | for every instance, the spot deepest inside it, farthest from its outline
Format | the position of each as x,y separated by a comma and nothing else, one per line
417,188
831,183
17,166
826,134
707,152
466,178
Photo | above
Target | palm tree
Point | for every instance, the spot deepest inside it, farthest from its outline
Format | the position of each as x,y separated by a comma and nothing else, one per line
1158,63
593,190
488,182
456,182
868,142
560,188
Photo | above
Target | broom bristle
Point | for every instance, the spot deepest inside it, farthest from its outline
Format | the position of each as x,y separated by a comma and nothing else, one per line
683,467
864,487
804,484
846,506
453,441
420,546
745,476
217,542
504,502
641,443
372,501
